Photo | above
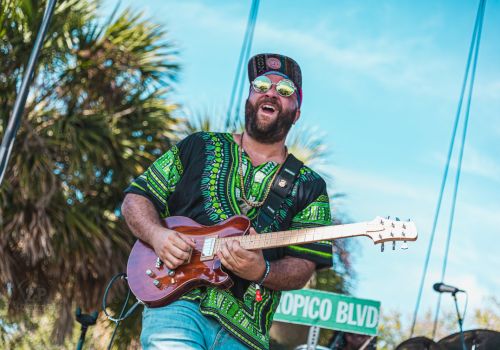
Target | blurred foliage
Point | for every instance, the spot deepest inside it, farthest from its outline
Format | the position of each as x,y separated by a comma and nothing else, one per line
489,317
98,114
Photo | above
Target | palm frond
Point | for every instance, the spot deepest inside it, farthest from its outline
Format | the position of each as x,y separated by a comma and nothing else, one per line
98,115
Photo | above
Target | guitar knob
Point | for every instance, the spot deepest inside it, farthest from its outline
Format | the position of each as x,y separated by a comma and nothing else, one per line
171,273
150,273
157,283
158,263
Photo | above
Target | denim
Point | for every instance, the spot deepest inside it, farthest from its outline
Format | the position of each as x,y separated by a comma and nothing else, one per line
181,326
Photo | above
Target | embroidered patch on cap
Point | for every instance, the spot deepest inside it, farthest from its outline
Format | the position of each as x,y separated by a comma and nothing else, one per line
273,63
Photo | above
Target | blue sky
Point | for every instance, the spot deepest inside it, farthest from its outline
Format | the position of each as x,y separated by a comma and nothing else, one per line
381,86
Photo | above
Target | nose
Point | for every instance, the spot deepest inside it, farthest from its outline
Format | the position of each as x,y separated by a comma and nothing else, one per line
272,92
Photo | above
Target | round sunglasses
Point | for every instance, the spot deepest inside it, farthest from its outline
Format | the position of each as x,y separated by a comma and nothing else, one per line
284,87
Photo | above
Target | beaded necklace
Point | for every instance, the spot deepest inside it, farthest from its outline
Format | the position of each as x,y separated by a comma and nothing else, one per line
242,180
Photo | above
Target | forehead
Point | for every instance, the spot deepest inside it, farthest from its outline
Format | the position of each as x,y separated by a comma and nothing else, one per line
274,77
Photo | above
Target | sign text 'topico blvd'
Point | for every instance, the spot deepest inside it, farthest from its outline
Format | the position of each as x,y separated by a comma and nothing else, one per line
329,310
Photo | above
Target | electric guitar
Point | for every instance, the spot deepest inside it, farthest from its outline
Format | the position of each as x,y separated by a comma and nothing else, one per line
155,285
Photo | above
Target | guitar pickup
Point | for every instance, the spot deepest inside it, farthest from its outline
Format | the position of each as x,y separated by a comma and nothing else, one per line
207,252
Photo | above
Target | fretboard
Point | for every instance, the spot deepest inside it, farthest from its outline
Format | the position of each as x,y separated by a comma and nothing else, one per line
298,237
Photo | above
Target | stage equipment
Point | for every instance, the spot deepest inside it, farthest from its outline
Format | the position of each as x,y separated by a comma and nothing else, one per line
15,119
443,288
475,339
123,314
86,321
419,343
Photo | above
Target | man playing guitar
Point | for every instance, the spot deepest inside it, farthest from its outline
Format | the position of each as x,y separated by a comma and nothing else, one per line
210,177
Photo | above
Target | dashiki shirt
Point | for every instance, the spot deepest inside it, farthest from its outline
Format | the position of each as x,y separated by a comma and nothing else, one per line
198,178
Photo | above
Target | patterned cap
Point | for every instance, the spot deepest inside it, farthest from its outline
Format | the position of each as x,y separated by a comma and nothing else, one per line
271,62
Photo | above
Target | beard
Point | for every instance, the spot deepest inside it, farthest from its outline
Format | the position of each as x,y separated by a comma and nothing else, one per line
270,133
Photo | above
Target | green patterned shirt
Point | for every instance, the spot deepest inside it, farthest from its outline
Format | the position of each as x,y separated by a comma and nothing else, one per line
198,178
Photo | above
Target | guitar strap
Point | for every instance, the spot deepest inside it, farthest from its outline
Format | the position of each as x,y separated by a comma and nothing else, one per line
281,187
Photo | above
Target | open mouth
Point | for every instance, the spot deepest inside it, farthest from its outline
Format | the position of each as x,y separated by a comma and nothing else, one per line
268,108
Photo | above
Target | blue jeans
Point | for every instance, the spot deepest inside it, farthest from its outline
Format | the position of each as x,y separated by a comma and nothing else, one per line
181,325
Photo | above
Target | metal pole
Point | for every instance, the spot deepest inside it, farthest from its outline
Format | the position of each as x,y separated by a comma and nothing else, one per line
15,120
460,322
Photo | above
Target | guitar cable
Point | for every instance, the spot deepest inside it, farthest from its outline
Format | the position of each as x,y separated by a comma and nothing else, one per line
123,315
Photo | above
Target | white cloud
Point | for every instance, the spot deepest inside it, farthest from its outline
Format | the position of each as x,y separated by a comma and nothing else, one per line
382,184
403,64
489,89
474,162
384,59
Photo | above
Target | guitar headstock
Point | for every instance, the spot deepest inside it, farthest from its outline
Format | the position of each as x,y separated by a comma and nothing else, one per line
383,230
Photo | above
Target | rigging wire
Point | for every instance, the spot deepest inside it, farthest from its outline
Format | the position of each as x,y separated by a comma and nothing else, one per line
478,22
239,78
242,82
460,157
17,112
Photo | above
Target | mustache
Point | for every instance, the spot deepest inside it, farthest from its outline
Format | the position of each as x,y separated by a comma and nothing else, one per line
270,100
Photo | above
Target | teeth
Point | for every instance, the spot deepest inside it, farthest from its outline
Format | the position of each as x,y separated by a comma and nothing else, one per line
269,107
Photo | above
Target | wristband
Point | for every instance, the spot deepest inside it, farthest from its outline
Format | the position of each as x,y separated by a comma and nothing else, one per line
266,272
258,295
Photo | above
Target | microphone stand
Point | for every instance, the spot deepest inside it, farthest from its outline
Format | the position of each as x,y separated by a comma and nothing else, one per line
86,321
460,321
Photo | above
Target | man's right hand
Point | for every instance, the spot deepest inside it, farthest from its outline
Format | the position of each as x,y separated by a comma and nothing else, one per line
172,247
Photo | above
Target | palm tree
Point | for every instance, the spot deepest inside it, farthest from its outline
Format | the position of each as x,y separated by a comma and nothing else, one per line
96,116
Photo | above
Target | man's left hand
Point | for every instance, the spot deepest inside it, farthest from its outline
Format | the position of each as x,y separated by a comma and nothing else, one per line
247,264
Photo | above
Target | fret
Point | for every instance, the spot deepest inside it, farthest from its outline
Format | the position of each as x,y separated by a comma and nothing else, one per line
300,236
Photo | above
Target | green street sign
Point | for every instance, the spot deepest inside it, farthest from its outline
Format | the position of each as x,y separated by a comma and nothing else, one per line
329,310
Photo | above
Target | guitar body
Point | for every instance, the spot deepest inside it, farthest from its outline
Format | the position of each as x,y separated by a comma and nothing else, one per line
155,287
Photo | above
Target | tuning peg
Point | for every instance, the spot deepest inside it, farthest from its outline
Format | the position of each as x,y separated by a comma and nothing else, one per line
404,246
382,247
388,217
397,219
393,245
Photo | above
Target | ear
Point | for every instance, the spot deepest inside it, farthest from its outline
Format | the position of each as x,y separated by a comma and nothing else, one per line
297,116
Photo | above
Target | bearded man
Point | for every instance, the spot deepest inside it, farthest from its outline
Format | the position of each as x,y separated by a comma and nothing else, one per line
210,177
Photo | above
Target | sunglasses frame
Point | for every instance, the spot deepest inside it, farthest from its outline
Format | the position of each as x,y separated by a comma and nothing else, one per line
287,81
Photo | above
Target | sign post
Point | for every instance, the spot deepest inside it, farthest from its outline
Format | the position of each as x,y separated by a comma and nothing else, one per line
329,310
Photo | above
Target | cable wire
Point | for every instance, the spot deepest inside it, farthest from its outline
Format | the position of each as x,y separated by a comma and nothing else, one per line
239,78
480,13
121,316
247,56
460,158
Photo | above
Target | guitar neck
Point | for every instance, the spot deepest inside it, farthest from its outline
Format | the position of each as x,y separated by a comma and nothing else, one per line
298,237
